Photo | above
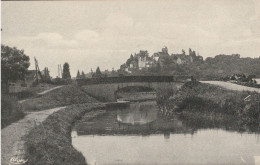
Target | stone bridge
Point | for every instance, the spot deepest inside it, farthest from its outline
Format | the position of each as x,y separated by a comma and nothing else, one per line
105,88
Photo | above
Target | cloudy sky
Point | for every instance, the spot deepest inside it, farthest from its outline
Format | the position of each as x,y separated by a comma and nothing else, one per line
88,34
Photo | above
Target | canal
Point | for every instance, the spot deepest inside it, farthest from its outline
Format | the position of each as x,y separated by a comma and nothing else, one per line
139,134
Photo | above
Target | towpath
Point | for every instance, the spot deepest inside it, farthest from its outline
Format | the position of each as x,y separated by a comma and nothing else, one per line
13,133
46,91
232,86
42,93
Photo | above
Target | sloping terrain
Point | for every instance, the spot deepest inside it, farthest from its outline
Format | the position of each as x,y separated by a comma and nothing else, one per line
65,95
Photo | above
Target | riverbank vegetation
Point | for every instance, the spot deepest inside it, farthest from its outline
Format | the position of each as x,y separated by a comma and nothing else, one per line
66,95
10,110
50,142
203,101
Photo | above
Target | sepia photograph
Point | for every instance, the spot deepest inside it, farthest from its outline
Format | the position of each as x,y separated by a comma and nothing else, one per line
128,82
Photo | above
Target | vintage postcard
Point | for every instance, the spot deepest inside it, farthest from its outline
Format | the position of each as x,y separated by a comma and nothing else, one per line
122,82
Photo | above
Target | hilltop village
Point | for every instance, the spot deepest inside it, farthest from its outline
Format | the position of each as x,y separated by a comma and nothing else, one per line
192,63
142,60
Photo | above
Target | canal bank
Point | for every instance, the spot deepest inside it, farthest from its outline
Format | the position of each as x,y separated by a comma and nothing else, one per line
50,142
207,101
14,132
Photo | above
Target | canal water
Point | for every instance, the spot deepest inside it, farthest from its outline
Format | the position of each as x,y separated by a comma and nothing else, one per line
139,134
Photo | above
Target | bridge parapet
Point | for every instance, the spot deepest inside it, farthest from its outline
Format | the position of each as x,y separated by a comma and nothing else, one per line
127,79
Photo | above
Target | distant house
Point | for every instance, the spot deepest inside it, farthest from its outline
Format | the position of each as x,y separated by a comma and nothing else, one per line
141,62
144,62
161,57
181,59
133,65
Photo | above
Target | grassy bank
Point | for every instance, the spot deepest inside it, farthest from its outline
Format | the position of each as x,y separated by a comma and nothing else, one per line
67,95
195,97
50,142
10,110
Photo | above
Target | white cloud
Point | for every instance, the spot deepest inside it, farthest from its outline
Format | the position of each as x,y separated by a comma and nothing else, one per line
87,35
55,39
50,40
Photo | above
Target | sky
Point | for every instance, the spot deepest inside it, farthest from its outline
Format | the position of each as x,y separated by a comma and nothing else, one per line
87,34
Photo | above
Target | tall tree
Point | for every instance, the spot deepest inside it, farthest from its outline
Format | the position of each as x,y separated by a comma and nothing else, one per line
14,64
98,72
78,75
46,74
66,71
83,75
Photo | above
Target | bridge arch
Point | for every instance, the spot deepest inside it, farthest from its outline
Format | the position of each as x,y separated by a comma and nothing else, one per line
105,88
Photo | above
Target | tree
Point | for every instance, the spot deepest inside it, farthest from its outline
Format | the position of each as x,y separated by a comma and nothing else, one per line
66,71
83,75
46,74
98,72
183,52
14,64
78,75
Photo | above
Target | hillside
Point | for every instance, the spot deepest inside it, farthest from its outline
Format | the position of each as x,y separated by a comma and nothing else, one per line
66,95
191,64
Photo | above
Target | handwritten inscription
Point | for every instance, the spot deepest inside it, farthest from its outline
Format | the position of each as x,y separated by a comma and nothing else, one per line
14,160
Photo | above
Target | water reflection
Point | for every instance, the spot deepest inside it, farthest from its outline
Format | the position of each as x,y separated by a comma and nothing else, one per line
138,113
140,118
151,138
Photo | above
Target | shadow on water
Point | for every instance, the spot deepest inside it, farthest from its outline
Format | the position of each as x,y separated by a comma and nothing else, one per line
139,118
144,118
140,134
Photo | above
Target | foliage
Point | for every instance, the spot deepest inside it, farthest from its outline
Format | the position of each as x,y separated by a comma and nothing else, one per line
83,75
204,98
59,81
25,94
66,71
250,114
10,110
14,64
98,73
78,75
46,75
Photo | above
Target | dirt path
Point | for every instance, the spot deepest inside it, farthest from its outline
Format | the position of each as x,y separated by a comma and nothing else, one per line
231,86
13,133
46,91
42,93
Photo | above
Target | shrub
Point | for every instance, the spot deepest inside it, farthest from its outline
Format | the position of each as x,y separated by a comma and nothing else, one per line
25,94
10,110
208,99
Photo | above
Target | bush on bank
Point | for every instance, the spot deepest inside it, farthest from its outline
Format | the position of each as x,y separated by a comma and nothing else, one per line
50,142
10,110
208,99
